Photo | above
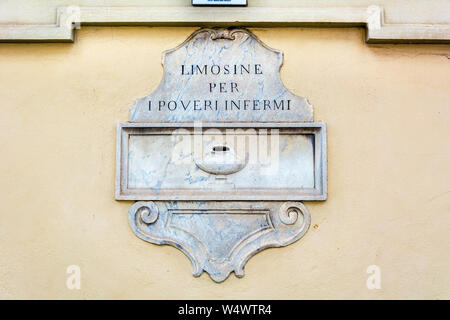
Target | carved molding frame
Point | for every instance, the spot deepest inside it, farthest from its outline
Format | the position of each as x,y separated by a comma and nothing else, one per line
318,193
371,17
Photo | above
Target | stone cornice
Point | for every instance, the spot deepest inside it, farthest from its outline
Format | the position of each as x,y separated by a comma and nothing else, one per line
70,18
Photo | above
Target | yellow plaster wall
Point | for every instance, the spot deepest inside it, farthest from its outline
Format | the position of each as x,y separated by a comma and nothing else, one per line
387,108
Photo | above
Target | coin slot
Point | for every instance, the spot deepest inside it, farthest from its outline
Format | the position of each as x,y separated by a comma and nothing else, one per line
220,149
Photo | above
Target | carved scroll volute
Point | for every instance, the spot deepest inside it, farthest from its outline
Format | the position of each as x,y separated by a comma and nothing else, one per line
223,34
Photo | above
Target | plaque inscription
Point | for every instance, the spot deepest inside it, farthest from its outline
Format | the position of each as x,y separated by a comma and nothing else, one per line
222,75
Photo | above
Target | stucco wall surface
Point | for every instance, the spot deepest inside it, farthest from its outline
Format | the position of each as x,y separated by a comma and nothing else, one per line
387,110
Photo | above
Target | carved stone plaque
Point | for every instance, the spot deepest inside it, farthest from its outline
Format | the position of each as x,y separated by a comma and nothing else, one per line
222,75
220,155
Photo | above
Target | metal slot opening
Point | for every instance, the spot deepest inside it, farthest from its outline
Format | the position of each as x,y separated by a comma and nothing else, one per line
221,149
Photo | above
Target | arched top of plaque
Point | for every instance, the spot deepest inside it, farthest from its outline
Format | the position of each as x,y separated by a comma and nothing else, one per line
225,75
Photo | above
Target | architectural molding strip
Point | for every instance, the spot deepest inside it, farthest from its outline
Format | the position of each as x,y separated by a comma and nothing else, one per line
371,17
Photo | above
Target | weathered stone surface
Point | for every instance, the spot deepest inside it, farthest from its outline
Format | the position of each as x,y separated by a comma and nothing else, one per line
221,75
219,237
264,161
220,154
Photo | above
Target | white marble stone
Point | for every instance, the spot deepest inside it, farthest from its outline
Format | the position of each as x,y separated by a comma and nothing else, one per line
219,237
159,161
221,75
218,171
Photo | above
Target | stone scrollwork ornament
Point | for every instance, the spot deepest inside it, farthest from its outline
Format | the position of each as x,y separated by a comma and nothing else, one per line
216,204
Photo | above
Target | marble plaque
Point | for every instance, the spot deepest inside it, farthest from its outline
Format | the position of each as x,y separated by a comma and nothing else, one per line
220,155
222,75
158,161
